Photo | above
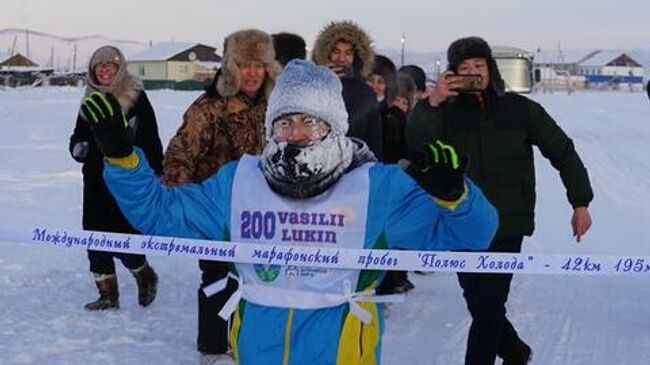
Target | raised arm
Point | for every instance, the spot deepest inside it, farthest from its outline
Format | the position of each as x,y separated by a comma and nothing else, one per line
189,211
435,207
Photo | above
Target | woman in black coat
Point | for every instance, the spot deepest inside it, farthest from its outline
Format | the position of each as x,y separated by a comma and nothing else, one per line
107,74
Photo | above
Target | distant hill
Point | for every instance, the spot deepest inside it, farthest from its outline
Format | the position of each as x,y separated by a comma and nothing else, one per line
53,51
59,52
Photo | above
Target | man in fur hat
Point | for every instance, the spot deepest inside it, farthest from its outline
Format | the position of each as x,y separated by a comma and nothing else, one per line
309,166
498,130
347,50
107,74
224,123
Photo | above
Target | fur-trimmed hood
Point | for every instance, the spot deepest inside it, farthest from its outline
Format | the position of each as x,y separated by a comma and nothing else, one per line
350,32
247,45
125,87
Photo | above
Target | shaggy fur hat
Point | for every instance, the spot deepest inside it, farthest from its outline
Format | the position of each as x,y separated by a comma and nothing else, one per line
247,45
346,31
385,68
304,87
288,46
417,74
475,47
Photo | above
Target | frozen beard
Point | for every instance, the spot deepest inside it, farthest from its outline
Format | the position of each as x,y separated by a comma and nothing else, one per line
306,171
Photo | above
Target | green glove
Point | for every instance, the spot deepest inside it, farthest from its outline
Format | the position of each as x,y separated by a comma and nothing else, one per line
108,124
441,172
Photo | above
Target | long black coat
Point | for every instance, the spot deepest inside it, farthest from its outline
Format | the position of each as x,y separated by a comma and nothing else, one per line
394,134
364,116
100,211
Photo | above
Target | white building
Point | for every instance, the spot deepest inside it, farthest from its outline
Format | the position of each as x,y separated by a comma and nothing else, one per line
174,62
611,69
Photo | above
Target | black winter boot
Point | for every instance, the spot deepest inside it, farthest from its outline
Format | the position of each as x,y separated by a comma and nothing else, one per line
147,281
108,293
519,354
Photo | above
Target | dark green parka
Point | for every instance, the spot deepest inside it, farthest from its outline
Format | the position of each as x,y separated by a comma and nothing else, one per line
499,133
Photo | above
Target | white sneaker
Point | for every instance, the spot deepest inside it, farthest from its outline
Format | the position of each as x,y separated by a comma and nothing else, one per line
216,359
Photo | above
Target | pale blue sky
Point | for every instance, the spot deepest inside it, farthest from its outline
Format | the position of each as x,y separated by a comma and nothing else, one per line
429,25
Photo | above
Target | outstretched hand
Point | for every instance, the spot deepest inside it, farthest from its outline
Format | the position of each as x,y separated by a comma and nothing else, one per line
580,222
441,172
108,124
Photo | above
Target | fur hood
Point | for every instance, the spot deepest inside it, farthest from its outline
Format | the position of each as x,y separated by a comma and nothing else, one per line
247,45
125,87
347,31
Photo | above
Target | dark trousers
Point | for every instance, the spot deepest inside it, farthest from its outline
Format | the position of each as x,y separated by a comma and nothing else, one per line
392,279
213,330
491,333
101,262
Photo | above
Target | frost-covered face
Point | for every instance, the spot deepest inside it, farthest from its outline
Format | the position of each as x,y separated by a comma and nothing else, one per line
299,129
303,149
105,73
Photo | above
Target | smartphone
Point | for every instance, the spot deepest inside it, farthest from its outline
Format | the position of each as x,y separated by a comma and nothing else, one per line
468,83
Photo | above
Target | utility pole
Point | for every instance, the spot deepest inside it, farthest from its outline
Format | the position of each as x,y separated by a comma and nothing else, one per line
74,59
13,46
27,42
403,40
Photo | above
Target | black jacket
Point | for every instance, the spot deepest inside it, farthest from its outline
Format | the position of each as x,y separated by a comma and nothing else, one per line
394,134
363,111
499,135
100,211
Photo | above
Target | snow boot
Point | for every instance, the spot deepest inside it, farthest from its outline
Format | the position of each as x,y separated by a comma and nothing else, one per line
401,284
147,281
518,354
216,359
108,293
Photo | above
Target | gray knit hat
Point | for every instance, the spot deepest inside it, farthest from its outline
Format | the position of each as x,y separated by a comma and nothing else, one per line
306,88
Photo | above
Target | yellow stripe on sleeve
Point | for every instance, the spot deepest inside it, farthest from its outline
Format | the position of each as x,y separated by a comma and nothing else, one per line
129,162
452,205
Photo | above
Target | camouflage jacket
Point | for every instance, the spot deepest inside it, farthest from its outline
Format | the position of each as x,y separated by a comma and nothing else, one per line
215,130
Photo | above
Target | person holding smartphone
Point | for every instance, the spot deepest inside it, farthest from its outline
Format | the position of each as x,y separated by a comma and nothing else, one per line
347,50
469,108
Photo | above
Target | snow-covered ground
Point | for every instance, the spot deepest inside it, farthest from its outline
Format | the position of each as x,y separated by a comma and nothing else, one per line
567,320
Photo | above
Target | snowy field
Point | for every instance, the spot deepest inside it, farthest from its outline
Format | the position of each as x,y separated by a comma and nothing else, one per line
567,320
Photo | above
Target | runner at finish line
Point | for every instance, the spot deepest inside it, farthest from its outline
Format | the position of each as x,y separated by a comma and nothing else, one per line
308,167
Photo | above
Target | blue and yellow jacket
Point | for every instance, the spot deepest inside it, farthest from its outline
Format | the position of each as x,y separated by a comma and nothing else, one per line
400,216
